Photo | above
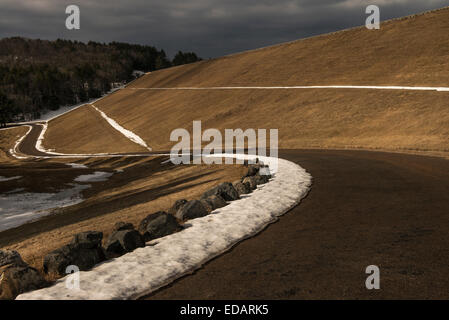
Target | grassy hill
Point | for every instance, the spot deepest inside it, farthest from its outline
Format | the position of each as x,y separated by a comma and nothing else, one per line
411,51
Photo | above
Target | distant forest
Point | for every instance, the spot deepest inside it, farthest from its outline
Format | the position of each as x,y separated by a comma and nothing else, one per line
40,75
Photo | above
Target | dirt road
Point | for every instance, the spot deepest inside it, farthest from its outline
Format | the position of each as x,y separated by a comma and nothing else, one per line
28,144
390,210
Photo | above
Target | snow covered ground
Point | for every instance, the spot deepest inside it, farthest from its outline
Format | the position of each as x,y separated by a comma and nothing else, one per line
17,207
77,165
129,134
147,269
94,177
40,140
3,179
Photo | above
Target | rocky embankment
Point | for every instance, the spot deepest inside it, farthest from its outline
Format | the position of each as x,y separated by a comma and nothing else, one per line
87,249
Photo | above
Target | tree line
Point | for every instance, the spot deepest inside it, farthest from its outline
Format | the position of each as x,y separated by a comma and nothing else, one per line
41,75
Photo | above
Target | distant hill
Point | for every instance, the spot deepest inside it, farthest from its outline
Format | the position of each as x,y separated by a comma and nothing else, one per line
39,75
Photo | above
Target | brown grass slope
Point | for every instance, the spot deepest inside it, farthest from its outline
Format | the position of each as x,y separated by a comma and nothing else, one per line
85,131
412,51
8,138
144,188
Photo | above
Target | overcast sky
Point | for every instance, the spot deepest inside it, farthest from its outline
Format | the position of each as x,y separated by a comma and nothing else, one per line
209,27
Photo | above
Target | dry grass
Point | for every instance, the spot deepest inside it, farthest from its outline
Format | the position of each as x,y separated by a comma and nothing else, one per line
305,118
85,131
8,138
412,51
142,189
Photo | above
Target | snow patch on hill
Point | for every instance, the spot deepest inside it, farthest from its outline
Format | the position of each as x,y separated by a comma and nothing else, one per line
129,134
77,165
4,179
94,177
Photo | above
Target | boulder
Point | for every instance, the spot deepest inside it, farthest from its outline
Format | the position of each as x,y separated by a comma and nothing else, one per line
84,251
176,206
15,280
253,169
11,257
225,190
251,181
213,202
123,241
158,225
242,187
207,205
88,239
119,226
191,210
261,179
16,276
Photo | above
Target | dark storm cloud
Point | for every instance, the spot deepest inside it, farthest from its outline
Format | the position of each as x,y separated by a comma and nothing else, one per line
208,27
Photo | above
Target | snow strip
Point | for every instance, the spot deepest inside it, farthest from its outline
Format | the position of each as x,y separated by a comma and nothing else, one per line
40,139
39,143
97,176
13,150
51,153
3,179
77,165
7,128
147,269
129,134
301,87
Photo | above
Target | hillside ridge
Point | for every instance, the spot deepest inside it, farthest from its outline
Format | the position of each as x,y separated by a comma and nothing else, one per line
404,52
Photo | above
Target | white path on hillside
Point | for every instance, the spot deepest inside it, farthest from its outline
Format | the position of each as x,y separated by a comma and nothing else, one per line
13,150
147,269
300,87
40,140
127,133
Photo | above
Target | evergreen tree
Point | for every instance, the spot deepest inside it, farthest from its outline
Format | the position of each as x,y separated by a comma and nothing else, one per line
40,75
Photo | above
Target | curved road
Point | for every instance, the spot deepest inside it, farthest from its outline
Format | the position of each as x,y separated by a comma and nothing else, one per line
28,145
364,208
